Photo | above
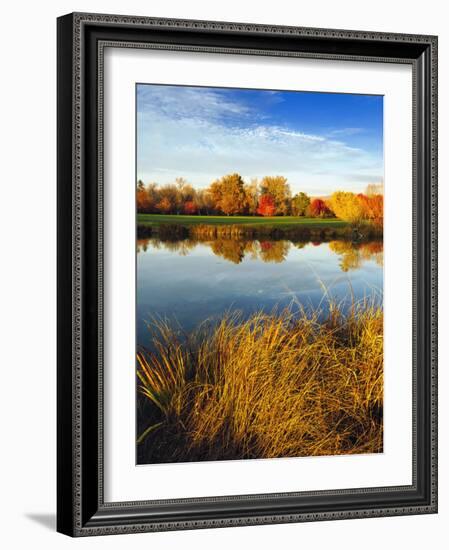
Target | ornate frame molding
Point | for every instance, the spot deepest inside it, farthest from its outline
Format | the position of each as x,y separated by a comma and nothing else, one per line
82,511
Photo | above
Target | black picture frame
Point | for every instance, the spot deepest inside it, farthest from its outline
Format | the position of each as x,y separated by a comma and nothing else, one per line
81,510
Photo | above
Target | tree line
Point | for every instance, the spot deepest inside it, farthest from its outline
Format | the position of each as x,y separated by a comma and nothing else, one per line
271,196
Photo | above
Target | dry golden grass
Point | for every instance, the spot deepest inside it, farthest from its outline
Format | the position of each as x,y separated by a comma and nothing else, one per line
273,385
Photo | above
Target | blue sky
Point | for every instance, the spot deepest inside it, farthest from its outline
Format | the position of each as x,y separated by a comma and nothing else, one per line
319,141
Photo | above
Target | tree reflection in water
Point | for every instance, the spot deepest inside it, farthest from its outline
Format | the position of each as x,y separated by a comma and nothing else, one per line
352,255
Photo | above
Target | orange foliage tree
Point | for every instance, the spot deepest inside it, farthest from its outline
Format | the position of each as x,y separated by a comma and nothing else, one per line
228,194
373,207
164,205
143,201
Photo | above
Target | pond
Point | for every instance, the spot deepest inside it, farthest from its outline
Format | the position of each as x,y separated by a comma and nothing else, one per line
190,280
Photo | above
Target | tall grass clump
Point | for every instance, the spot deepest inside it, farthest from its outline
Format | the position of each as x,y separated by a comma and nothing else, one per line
271,385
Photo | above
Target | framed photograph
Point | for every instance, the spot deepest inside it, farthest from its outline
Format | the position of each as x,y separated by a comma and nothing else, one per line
247,279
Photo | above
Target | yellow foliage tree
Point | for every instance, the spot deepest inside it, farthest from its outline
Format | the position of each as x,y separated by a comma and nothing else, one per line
347,206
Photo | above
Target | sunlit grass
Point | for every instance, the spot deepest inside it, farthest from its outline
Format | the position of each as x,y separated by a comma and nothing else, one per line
241,220
272,385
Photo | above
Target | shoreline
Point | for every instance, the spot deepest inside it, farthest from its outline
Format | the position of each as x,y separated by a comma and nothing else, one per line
299,232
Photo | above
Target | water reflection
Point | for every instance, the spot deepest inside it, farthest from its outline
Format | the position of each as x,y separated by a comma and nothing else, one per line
352,255
191,280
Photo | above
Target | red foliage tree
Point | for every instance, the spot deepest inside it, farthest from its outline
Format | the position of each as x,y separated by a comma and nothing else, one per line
266,206
190,208
319,209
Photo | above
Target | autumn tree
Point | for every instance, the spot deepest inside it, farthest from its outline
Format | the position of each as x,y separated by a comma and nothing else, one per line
190,207
376,208
170,198
373,207
186,192
229,194
347,206
252,195
215,192
164,205
266,206
300,203
279,189
204,202
318,209
152,195
146,197
143,204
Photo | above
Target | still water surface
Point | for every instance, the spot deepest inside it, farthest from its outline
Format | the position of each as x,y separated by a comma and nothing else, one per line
190,281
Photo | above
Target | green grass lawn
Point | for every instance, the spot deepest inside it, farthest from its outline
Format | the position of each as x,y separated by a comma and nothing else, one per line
283,221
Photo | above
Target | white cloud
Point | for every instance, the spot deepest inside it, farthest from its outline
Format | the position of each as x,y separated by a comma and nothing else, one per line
184,102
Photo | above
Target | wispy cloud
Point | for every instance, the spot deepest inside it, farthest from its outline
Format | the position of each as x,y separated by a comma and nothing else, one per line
345,132
174,102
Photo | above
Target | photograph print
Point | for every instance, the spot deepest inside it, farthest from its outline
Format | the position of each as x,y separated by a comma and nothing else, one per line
259,257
